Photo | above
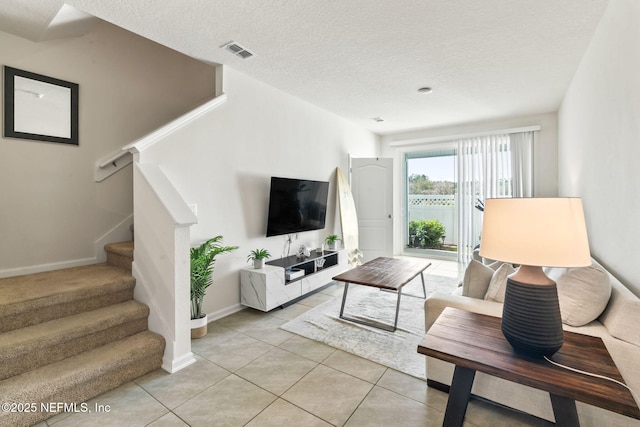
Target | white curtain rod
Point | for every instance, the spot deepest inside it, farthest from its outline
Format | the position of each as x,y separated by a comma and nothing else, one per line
428,140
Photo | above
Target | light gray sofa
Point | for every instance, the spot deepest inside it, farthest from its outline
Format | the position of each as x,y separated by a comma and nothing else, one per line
618,326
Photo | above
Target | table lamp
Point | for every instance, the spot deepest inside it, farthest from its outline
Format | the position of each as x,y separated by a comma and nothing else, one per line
534,232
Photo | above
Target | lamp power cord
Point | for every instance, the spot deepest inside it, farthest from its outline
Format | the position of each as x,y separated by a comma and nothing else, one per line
591,374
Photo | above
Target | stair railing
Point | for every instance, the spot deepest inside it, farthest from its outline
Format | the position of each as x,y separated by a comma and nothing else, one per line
111,164
162,221
161,260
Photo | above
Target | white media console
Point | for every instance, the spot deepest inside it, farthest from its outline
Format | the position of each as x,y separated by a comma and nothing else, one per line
286,279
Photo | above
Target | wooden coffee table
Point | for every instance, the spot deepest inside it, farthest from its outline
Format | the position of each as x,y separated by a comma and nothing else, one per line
474,342
389,274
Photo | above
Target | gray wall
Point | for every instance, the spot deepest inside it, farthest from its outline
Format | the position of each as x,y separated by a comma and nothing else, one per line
599,140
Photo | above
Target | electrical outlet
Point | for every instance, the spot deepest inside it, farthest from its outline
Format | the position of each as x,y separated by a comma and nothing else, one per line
194,208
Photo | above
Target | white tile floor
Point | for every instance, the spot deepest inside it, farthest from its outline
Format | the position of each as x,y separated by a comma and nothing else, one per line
251,373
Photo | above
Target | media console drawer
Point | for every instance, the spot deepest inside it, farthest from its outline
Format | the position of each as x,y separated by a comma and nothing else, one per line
293,273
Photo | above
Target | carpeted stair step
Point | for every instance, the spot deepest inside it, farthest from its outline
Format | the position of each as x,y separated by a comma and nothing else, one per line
38,345
120,254
35,298
81,377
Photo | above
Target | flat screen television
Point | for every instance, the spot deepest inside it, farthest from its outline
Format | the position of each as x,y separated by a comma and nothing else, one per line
296,205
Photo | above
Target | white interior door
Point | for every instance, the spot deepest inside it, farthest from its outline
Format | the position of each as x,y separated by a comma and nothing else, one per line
372,188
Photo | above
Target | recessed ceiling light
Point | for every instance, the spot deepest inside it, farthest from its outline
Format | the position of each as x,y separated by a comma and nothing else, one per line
377,119
425,90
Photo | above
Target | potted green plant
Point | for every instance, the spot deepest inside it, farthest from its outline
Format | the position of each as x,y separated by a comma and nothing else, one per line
203,259
331,240
258,256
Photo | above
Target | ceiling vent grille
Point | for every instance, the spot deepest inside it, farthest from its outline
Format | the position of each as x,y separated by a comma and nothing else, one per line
238,50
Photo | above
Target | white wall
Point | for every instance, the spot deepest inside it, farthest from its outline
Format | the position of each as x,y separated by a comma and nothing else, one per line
52,210
545,168
599,140
223,163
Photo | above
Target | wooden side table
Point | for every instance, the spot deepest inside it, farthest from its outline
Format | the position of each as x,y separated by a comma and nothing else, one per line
474,342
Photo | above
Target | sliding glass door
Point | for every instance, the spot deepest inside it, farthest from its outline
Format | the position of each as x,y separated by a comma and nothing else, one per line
431,215
445,190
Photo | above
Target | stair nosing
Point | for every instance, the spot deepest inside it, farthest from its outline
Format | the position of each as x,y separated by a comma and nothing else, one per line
76,363
82,377
70,335
124,249
65,291
65,329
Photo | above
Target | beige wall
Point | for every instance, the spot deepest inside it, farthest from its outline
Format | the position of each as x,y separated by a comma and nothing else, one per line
52,210
599,140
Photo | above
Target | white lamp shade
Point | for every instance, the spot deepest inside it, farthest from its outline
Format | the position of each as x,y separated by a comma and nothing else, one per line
545,232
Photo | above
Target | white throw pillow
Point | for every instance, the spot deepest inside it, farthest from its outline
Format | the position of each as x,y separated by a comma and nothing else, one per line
583,293
476,279
498,283
622,315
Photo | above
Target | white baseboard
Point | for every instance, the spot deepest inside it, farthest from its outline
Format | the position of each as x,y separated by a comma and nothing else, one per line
121,232
173,366
225,312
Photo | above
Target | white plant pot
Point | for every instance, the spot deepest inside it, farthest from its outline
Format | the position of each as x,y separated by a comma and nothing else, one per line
258,263
199,327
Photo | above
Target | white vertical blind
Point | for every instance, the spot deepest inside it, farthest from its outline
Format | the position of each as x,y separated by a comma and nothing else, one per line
484,171
522,163
490,166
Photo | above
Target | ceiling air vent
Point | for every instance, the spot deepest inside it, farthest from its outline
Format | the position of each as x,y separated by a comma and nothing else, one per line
238,50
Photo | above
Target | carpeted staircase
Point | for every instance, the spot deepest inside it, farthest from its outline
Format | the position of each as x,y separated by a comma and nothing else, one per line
70,335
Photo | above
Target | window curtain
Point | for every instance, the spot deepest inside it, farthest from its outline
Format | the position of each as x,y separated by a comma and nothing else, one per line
489,167
522,163
484,171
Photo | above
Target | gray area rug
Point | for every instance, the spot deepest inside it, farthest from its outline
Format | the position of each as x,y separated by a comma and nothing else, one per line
397,350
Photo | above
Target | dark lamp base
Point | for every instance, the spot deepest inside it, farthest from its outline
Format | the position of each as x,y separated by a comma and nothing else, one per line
531,319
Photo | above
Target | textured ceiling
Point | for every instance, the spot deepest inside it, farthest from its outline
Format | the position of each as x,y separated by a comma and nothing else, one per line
360,59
